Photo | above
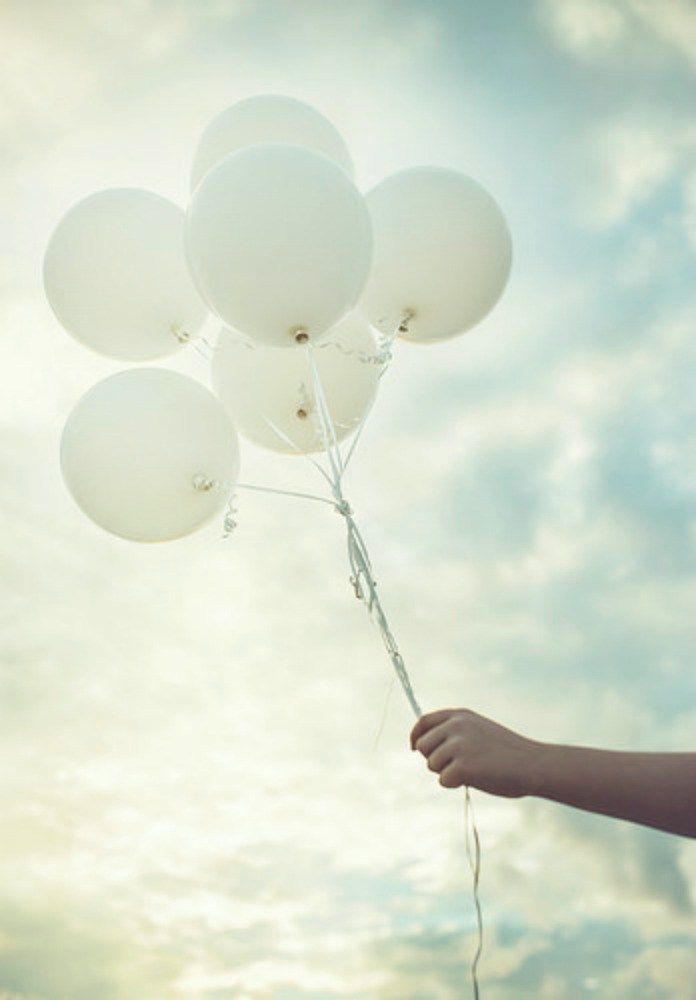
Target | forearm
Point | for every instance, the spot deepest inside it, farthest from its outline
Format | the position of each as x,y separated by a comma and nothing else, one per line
655,789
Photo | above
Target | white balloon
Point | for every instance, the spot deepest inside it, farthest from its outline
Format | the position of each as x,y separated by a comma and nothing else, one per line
442,253
279,239
267,118
145,453
115,275
261,386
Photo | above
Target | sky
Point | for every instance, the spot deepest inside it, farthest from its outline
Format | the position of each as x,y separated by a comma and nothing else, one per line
199,798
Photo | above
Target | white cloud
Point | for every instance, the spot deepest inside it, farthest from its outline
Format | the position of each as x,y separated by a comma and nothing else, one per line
602,30
589,28
190,794
631,158
642,144
668,971
672,21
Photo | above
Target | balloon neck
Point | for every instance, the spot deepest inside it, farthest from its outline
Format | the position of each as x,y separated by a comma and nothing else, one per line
202,483
406,318
183,336
299,334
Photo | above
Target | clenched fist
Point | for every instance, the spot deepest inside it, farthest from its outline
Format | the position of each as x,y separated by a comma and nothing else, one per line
467,749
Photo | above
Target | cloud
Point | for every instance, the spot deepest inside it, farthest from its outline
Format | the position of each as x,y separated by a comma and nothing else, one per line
634,158
672,21
192,800
632,151
658,971
641,30
594,960
84,950
589,29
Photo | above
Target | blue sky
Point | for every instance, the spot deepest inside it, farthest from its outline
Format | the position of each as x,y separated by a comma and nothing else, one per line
193,802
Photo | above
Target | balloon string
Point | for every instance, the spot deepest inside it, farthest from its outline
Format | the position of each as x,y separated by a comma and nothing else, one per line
292,444
356,438
382,358
199,350
285,493
365,589
326,426
384,713
475,866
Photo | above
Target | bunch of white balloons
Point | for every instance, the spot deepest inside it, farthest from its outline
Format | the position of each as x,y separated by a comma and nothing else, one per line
280,245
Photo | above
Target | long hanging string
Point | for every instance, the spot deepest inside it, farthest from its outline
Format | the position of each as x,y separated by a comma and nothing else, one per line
364,584
475,866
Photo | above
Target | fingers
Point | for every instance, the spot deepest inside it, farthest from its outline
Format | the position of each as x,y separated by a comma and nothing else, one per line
426,722
440,758
451,776
433,738
437,737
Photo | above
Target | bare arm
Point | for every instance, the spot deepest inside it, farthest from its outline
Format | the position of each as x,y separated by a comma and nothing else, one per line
654,789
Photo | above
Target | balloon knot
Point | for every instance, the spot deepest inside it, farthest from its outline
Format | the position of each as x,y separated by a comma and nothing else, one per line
181,335
202,483
406,318
344,508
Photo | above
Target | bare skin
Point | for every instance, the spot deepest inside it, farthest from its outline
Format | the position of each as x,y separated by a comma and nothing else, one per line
653,789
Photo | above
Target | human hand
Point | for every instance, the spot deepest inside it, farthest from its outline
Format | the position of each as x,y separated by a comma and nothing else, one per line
468,749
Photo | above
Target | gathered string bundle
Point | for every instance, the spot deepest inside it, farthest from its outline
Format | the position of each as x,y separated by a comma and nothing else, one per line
364,585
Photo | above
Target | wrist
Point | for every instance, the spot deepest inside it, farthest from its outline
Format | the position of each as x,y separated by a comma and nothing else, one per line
539,768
